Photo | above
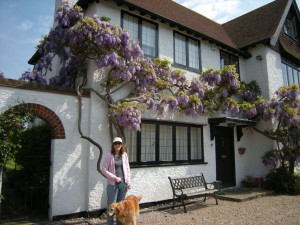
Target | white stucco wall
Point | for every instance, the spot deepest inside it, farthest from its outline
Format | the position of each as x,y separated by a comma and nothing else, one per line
68,156
250,163
267,72
210,56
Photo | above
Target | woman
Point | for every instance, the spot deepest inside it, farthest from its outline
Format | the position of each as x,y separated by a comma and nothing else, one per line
117,171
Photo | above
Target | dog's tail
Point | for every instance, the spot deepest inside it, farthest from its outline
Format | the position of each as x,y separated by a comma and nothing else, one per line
139,197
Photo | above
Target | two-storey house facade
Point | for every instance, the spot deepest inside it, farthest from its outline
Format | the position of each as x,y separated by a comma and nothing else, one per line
264,45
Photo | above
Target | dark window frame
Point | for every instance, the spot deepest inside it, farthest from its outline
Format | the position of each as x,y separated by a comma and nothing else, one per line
157,162
230,55
187,67
294,28
293,66
140,27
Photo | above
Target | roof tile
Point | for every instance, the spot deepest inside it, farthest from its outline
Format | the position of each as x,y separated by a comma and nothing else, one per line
186,17
257,25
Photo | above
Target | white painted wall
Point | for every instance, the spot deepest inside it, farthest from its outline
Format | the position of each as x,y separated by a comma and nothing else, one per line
267,72
68,186
210,56
250,163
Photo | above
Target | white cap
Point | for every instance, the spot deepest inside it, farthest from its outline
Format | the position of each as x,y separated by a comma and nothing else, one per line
117,139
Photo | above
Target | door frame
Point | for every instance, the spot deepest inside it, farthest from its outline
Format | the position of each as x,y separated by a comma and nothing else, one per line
226,171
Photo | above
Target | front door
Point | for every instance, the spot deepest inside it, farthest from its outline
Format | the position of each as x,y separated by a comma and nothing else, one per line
225,164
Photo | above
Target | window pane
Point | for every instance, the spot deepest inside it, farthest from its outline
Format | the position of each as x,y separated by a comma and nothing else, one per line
148,143
288,27
196,140
295,30
149,39
296,78
152,143
131,137
131,24
290,75
234,61
224,59
165,143
193,54
181,143
180,49
284,74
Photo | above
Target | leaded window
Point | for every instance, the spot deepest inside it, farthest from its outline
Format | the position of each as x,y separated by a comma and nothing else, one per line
186,52
165,143
290,73
143,31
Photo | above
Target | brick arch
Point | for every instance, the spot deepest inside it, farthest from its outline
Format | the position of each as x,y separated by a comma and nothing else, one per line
46,114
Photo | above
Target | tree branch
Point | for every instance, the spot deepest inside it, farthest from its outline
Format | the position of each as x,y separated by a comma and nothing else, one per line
80,131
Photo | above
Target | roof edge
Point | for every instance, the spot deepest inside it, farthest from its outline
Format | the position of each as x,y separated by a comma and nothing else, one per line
84,4
275,37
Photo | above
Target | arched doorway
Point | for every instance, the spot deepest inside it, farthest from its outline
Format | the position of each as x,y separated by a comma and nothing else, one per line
26,178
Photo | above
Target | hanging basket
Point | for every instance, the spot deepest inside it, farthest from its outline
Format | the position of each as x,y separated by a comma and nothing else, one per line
242,151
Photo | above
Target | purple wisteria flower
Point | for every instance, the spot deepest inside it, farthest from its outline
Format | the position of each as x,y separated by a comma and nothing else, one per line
211,77
129,117
33,77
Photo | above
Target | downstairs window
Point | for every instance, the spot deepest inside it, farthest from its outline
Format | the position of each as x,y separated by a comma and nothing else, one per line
162,143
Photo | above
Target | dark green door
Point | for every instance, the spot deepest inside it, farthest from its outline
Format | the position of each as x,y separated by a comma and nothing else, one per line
225,164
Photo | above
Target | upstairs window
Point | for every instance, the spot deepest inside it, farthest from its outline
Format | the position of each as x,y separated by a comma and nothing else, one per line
290,28
186,52
143,31
290,73
165,143
229,59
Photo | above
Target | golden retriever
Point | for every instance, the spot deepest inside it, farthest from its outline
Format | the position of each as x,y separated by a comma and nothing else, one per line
126,211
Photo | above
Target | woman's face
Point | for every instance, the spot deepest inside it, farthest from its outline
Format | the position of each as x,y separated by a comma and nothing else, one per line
117,146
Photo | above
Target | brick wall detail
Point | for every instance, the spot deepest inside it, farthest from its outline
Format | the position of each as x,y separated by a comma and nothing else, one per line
46,114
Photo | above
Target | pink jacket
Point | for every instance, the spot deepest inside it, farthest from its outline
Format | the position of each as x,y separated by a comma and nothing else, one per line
108,168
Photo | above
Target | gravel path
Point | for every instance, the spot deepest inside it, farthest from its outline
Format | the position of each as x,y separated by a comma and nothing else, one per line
266,210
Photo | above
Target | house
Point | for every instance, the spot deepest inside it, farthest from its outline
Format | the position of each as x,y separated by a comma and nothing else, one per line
264,45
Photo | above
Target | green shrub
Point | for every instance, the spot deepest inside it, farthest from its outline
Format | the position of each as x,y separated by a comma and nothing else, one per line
1,198
294,188
249,181
282,183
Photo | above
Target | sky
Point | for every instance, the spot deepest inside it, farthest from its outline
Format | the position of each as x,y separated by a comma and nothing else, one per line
24,22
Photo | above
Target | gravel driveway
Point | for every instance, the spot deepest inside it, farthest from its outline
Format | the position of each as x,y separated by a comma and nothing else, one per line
266,210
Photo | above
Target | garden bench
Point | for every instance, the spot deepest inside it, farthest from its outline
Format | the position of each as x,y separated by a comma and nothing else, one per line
192,185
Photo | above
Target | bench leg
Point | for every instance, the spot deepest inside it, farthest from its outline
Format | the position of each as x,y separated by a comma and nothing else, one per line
216,198
182,201
173,202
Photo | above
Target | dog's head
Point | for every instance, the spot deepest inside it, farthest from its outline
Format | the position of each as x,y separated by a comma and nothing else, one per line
117,208
112,209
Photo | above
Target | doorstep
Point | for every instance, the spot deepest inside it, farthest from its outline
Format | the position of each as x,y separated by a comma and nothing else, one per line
236,194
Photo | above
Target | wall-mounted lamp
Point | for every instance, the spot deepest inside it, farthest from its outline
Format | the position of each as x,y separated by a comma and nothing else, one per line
259,57
213,46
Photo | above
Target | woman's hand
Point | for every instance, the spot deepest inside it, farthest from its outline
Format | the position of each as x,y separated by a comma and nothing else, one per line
118,179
